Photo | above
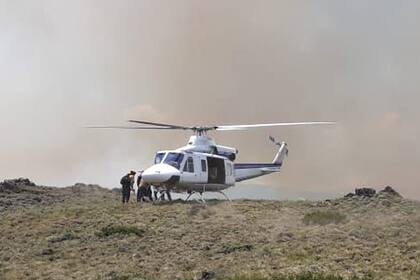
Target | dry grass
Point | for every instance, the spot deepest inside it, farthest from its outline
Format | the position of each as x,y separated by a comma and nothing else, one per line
301,276
121,230
88,234
322,217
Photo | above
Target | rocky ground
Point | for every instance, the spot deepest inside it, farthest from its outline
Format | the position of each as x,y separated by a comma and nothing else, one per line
83,232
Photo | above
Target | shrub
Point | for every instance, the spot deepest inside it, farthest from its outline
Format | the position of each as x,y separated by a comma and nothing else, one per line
302,276
324,218
120,230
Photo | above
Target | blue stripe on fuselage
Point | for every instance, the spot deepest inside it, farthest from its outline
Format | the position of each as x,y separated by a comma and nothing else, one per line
255,165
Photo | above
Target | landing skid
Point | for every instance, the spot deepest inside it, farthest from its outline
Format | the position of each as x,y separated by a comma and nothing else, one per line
201,196
225,195
200,199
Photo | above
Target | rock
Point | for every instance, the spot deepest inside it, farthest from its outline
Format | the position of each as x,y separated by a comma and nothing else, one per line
207,275
390,191
365,192
15,185
285,237
116,190
386,193
22,192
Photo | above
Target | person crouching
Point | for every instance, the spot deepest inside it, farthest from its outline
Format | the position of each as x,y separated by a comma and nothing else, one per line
144,190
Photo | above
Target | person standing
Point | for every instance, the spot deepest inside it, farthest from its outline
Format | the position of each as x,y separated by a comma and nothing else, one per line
127,183
155,192
162,191
168,194
148,192
140,192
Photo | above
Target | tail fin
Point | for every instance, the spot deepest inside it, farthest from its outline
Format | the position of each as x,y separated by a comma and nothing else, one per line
282,152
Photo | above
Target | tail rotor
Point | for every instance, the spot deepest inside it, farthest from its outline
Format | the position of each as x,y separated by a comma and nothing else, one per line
281,153
272,139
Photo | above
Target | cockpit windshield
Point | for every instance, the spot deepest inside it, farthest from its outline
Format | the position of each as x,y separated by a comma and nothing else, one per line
174,159
159,157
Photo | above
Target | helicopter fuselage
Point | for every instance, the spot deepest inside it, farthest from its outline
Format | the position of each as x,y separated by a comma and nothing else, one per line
183,170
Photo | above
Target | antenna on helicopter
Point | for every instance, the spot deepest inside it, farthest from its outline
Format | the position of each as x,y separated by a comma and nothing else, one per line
272,139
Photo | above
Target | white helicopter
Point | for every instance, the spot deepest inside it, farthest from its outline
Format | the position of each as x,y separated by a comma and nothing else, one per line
202,165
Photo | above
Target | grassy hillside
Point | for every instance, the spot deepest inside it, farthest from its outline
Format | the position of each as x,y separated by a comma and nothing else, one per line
83,232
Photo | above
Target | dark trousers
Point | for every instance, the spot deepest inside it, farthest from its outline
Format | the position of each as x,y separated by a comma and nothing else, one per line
126,194
142,193
149,194
168,194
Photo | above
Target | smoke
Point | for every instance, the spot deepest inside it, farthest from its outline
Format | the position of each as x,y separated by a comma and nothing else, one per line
67,65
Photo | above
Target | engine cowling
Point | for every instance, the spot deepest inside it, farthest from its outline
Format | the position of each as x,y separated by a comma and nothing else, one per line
206,144
227,152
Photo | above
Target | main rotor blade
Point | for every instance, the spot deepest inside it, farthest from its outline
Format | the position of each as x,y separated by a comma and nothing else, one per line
129,127
246,126
160,124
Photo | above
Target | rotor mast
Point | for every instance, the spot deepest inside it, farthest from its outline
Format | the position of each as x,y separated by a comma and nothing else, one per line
202,130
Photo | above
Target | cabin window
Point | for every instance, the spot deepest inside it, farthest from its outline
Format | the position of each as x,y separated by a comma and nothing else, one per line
174,159
159,157
189,165
203,165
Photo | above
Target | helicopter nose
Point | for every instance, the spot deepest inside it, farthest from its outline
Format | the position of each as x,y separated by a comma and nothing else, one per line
161,174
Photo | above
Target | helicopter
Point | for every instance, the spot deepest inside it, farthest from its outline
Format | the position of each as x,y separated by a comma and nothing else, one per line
202,165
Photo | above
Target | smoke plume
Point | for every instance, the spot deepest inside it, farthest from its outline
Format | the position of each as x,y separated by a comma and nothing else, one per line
67,64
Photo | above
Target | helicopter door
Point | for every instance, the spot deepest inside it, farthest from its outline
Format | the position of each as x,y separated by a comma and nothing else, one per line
216,170
230,173
202,169
188,172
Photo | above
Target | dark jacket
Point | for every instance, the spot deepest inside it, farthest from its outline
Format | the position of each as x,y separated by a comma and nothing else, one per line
126,181
138,180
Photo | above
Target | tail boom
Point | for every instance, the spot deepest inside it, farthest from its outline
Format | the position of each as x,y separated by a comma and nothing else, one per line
246,171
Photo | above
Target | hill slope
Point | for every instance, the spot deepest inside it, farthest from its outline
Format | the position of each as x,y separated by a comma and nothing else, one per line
83,232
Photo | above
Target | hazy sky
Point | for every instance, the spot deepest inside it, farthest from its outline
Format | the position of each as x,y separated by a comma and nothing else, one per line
66,64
